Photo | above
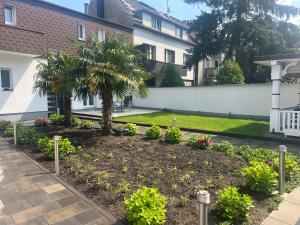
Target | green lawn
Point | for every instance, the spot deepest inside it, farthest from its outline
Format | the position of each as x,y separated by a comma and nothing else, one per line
208,123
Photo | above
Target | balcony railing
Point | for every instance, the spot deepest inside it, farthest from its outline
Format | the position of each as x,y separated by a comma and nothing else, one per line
158,68
21,40
290,123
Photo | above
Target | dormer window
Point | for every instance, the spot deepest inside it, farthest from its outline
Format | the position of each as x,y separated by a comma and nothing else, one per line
156,23
179,32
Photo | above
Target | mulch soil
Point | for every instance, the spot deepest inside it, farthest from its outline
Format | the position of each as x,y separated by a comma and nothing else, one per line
178,171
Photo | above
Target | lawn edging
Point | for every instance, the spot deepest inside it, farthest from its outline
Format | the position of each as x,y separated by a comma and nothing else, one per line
260,138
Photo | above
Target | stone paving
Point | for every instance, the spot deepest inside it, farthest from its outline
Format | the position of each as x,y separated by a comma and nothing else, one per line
288,211
31,196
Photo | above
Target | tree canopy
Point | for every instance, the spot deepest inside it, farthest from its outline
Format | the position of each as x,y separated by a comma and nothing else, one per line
172,77
230,73
242,29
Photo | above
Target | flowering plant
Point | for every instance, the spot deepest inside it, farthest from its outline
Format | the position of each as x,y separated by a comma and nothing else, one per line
202,142
42,122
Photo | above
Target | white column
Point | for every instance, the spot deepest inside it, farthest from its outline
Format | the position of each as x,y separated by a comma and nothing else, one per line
275,111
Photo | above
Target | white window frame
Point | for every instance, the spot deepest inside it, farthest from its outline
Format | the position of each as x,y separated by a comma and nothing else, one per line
10,80
103,34
83,31
156,22
14,15
166,56
177,28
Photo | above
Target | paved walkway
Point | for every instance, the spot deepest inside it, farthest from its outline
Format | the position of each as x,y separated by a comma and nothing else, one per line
288,211
31,196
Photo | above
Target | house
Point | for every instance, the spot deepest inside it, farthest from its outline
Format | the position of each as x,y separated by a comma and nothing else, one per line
163,38
29,29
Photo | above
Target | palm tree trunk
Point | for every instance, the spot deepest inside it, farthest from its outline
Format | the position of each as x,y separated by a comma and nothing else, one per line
107,101
67,105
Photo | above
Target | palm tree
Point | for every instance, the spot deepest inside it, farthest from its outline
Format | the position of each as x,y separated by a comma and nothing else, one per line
61,75
114,68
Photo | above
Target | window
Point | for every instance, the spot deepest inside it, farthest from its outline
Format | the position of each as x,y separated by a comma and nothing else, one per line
10,15
179,32
169,56
81,32
186,57
156,23
6,79
150,50
101,35
216,63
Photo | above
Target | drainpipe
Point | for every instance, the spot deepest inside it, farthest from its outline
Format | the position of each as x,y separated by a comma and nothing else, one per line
298,106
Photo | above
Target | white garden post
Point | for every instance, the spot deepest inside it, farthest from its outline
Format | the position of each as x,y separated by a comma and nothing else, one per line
203,198
174,122
56,154
282,152
275,111
15,133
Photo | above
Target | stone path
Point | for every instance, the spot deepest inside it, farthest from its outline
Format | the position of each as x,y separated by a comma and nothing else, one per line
288,211
31,196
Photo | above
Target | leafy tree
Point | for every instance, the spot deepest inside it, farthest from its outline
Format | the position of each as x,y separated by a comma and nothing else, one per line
114,68
243,29
61,75
230,73
172,77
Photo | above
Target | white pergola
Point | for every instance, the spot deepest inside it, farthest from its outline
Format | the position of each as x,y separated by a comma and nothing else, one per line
285,121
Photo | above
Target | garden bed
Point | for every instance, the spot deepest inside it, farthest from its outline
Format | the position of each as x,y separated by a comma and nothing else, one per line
127,163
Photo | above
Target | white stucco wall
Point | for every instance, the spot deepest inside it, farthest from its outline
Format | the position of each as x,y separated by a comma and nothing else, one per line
22,99
142,36
249,100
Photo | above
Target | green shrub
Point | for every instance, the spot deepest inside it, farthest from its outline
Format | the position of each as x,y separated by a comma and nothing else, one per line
75,121
86,124
65,147
172,77
27,135
260,177
232,206
173,135
201,142
230,73
260,154
224,147
146,206
9,130
57,119
130,129
291,166
3,124
154,132
41,122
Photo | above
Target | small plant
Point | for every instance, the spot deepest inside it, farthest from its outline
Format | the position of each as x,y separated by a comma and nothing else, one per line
123,187
224,147
109,155
42,122
9,130
57,119
207,165
75,164
89,168
75,121
3,124
154,132
173,135
260,154
27,135
232,206
184,200
205,186
130,129
291,166
86,156
65,147
86,124
185,178
101,179
275,203
146,206
260,177
125,169
200,142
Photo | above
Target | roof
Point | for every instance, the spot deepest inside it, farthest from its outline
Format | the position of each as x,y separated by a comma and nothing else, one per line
134,6
267,59
86,16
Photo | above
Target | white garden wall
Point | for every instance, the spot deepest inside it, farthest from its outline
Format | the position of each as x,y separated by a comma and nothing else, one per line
249,100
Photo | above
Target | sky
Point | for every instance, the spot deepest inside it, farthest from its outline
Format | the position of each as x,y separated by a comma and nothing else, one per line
179,9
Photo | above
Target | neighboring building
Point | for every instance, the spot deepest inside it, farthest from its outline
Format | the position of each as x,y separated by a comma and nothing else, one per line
164,38
28,29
